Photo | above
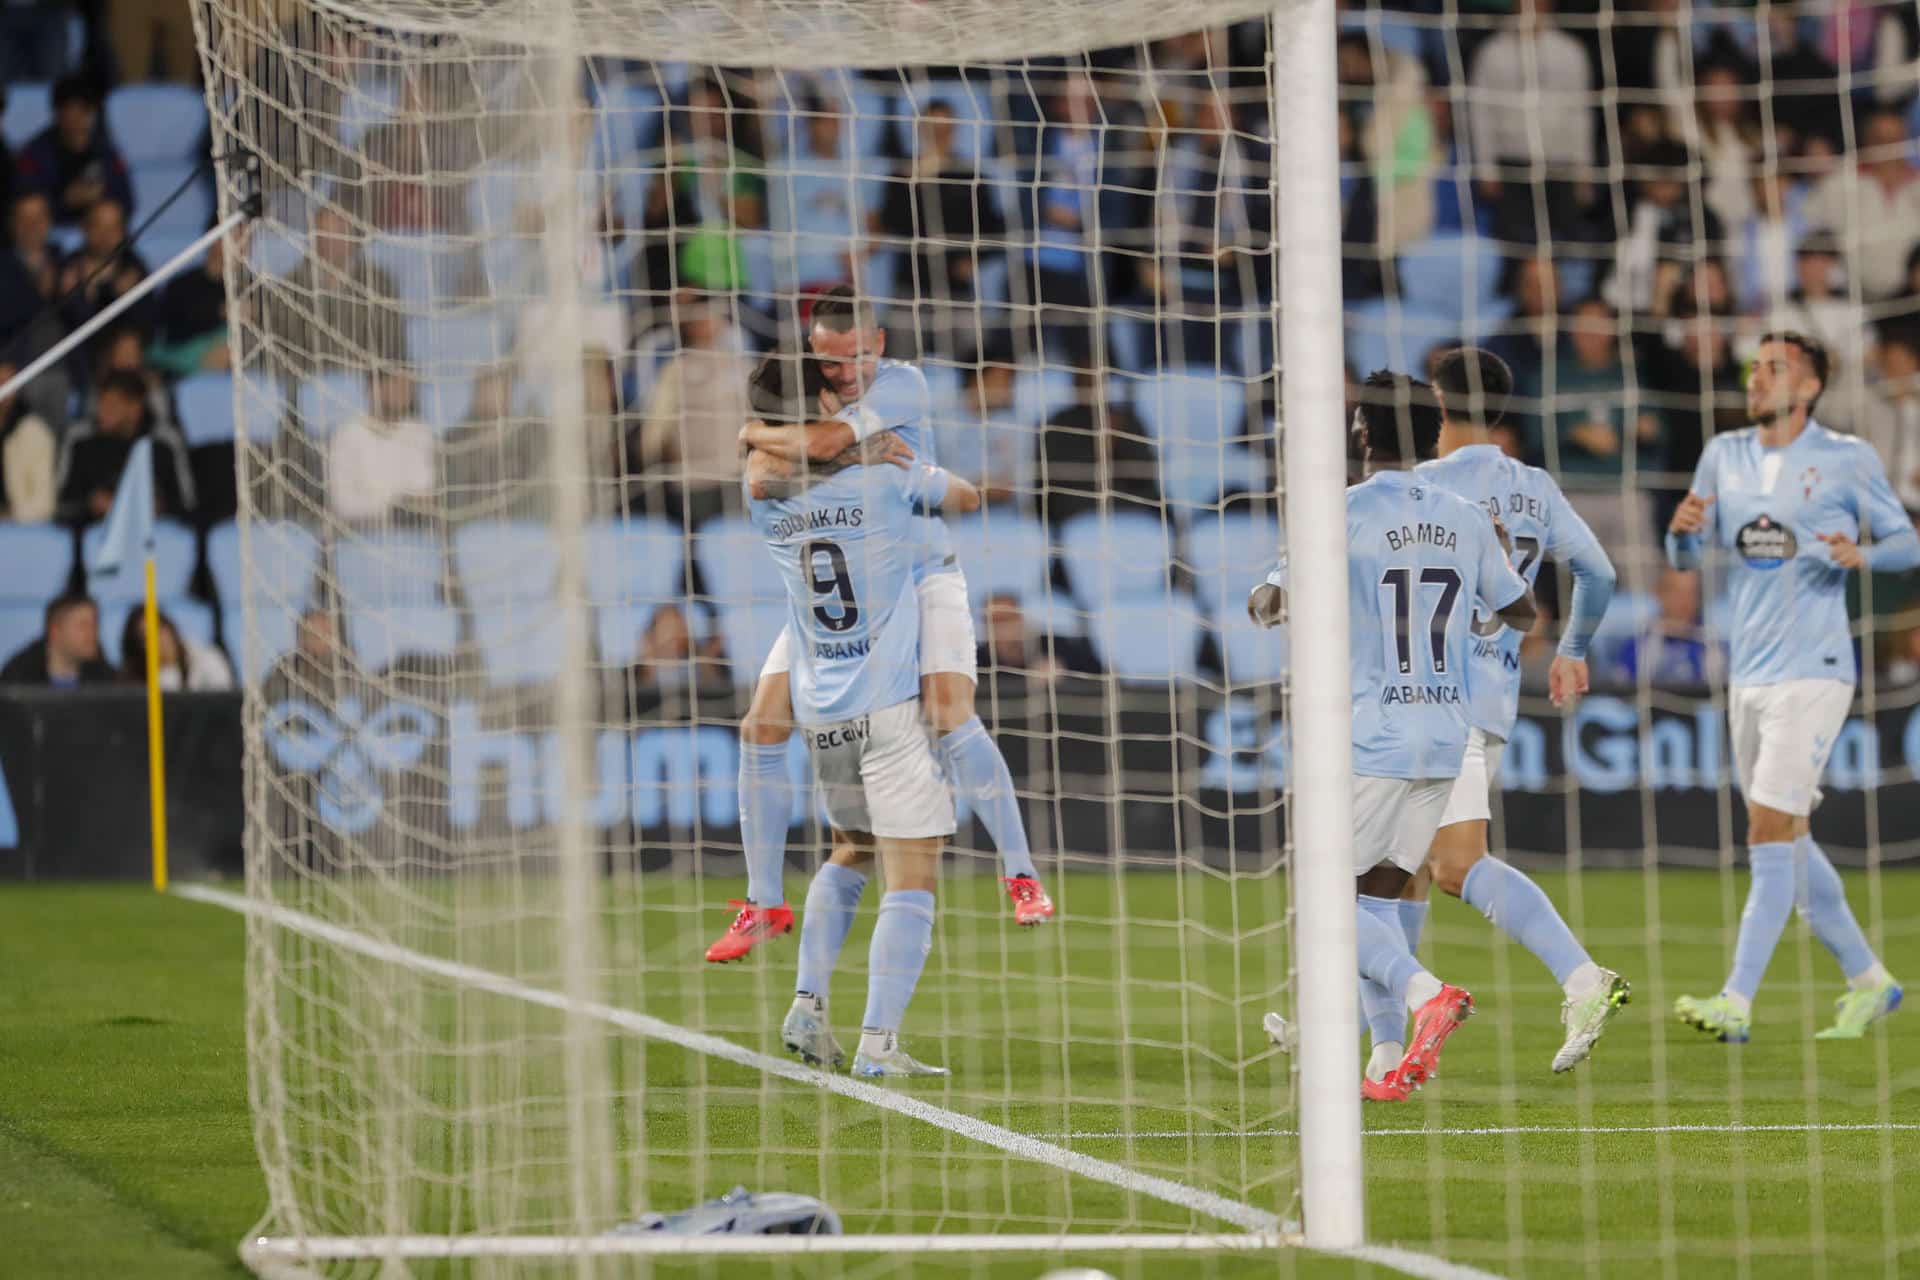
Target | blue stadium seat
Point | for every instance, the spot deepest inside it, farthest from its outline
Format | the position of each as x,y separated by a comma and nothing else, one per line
735,563
388,570
506,562
748,631
38,560
378,636
617,630
20,626
1252,654
1451,274
520,646
1039,394
205,401
427,270
1120,556
157,122
1196,406
29,111
1002,552
1228,553
175,553
285,557
1195,475
367,101
274,251
459,343
327,400
444,403
634,562
1149,638
154,182
1385,335
193,619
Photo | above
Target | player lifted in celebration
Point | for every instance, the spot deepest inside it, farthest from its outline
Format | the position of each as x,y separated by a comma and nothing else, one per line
847,545
1474,386
1418,559
1786,500
879,395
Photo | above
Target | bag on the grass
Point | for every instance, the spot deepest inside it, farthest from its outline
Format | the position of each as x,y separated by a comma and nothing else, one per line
743,1213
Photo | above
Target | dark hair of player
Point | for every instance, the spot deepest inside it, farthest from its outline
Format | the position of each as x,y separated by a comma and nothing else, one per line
1398,413
1476,385
785,388
840,310
1811,348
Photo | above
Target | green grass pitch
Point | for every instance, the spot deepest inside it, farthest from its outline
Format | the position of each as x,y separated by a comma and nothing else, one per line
126,1146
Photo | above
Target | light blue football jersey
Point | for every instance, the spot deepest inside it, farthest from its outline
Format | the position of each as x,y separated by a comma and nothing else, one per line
1418,559
847,548
1789,618
1540,523
898,401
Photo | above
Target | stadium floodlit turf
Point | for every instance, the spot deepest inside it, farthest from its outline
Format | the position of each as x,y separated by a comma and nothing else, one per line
126,1146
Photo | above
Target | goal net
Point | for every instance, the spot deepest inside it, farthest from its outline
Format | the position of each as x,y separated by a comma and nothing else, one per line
505,608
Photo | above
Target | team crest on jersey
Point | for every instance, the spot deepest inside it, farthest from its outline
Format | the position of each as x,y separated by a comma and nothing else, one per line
1765,543
1809,479
1416,493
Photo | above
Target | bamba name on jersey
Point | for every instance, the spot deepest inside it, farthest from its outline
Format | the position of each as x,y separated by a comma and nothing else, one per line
1423,534
809,521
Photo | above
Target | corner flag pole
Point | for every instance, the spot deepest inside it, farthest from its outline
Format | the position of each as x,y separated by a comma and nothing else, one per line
156,743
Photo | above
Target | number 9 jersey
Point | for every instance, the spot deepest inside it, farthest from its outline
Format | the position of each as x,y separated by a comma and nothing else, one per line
1418,559
846,548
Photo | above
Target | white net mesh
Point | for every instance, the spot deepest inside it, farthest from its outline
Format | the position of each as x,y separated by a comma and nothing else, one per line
475,1019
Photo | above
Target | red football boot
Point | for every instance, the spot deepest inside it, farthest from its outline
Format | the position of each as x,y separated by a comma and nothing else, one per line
1031,905
749,929
1389,1088
1437,1019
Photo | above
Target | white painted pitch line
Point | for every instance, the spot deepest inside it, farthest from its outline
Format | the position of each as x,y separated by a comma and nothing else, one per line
267,1254
1240,1214
1490,1131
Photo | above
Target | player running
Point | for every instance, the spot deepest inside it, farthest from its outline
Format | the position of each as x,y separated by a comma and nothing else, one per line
847,547
1418,558
1474,386
879,395
1787,499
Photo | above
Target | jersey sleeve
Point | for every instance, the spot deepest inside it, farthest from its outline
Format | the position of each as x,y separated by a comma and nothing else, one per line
897,398
927,486
1895,546
1684,549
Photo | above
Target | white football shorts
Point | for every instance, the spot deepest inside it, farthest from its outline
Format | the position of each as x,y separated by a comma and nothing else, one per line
1782,736
1472,796
877,774
947,642
1394,820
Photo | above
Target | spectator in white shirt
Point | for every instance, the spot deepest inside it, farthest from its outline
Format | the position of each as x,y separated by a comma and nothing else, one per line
1530,120
689,434
1877,201
1885,411
382,462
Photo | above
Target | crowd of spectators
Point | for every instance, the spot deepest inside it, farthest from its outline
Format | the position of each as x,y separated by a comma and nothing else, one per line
1654,190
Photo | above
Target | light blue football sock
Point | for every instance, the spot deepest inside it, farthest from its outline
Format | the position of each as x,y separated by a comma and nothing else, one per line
765,805
1823,898
832,899
1513,903
1769,903
979,772
1384,958
1386,1018
1413,921
900,944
